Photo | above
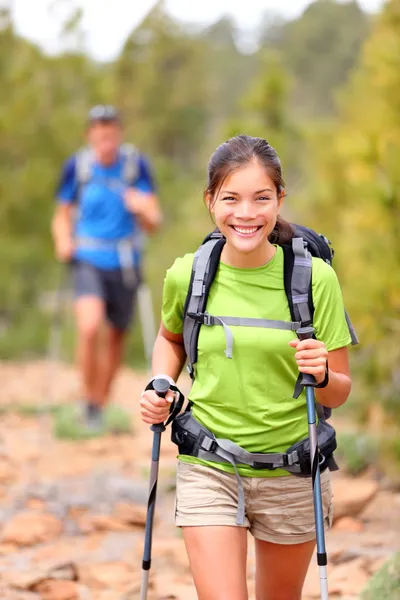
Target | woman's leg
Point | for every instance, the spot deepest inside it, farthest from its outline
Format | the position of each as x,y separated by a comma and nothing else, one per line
218,559
281,569
283,523
206,510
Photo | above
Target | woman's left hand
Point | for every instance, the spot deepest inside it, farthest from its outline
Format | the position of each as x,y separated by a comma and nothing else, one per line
311,357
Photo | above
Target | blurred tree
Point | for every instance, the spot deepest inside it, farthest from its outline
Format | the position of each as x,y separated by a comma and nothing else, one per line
319,49
43,100
356,199
161,85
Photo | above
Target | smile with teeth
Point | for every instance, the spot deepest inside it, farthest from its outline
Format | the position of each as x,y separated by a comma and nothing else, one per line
247,231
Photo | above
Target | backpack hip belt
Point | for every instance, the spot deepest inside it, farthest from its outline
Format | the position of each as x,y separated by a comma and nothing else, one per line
125,248
193,439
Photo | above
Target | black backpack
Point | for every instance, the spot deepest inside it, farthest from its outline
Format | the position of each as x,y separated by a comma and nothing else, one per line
298,287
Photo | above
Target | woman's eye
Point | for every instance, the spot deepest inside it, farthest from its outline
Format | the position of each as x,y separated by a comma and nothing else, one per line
229,199
263,198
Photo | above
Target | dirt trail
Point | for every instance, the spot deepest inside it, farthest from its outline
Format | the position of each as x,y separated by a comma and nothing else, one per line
72,513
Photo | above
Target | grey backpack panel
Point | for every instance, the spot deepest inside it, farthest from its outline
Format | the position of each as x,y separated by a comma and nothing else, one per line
85,158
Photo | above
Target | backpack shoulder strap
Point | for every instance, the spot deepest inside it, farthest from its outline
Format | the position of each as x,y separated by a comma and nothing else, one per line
297,279
84,165
204,269
298,287
130,169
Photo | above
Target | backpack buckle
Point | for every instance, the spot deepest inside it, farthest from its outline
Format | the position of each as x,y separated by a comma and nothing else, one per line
266,466
207,319
190,370
203,318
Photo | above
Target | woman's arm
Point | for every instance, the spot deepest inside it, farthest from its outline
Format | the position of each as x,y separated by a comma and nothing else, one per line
311,356
169,354
338,389
168,359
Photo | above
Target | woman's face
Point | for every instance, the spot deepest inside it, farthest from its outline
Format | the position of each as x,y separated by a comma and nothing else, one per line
246,209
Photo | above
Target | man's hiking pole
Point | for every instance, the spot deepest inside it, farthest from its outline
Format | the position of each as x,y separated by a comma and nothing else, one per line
53,354
147,325
309,382
54,343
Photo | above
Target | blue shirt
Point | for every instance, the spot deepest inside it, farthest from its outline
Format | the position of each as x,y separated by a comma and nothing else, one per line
102,213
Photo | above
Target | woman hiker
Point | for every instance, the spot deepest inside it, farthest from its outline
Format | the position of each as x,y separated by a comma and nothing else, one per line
249,399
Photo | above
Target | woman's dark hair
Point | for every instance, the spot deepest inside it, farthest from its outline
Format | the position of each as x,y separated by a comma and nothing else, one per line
237,152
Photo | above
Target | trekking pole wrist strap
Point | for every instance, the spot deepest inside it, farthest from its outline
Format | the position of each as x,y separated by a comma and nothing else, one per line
325,382
163,376
178,401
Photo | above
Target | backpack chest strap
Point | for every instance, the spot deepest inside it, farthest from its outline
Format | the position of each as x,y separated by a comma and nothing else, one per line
227,322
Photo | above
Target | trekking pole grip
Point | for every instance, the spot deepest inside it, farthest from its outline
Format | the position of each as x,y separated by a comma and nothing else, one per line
306,333
161,387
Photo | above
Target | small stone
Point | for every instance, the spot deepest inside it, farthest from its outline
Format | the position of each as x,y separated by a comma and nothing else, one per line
7,549
348,524
35,504
349,578
58,590
89,524
117,576
133,514
352,496
30,528
25,580
7,471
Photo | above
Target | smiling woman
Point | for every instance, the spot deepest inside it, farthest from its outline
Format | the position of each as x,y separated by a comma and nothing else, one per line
243,381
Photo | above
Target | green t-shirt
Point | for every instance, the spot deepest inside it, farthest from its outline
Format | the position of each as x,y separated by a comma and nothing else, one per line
248,399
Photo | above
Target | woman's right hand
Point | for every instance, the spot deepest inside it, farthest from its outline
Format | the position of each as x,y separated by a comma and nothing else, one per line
154,409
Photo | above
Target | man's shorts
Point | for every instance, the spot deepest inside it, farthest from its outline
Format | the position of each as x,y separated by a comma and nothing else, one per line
279,510
109,285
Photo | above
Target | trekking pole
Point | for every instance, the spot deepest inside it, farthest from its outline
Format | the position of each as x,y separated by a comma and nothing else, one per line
161,387
53,350
56,327
308,381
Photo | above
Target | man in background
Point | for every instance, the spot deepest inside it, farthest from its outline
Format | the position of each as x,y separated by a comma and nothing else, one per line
106,201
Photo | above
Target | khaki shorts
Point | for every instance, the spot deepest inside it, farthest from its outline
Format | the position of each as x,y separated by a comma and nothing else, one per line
278,509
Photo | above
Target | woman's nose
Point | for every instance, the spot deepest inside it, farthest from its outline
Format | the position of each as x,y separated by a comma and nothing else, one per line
245,210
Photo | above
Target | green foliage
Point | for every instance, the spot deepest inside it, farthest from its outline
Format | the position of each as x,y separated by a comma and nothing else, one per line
68,424
385,584
357,452
355,199
319,50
